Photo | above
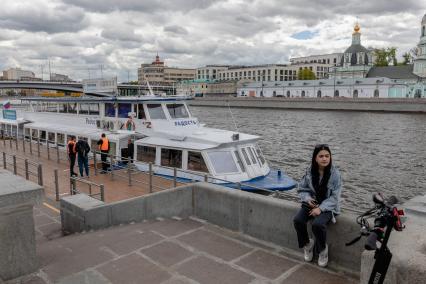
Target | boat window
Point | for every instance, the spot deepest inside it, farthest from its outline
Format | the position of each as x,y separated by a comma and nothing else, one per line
14,130
63,108
34,134
94,109
124,109
141,112
171,158
177,110
246,156
43,136
260,155
223,162
27,133
51,137
83,109
156,111
146,154
253,158
240,163
72,108
112,147
196,162
52,107
61,139
109,110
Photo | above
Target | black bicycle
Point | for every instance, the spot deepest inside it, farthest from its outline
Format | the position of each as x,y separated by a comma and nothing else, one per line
387,217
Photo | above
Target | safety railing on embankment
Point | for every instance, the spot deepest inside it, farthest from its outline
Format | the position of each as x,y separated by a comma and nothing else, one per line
120,170
90,185
23,167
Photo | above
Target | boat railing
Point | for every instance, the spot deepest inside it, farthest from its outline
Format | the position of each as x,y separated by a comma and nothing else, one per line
123,167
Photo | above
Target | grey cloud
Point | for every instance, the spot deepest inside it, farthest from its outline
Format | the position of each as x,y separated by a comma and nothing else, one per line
121,34
42,19
152,6
175,29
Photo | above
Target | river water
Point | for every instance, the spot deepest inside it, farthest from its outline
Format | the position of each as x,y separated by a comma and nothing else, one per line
375,152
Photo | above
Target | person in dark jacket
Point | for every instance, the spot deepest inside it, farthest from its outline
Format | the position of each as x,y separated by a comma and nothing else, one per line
319,191
71,154
82,149
130,150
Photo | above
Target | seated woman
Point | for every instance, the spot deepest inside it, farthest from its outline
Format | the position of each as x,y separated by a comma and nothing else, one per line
319,191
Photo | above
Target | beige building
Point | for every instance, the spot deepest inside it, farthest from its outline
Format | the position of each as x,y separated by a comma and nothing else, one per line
17,74
158,74
210,72
331,59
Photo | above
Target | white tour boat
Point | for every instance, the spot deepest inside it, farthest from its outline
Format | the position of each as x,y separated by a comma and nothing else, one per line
164,132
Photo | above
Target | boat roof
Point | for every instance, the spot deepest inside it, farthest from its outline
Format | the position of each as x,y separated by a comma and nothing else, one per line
75,130
124,99
159,141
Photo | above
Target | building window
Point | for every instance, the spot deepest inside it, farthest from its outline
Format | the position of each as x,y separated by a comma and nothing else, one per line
319,94
336,93
376,93
274,93
288,94
355,94
303,93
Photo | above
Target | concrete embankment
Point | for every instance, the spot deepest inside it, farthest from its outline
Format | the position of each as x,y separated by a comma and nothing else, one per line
341,104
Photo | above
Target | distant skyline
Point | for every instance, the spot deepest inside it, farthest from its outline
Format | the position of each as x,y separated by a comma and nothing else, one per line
82,37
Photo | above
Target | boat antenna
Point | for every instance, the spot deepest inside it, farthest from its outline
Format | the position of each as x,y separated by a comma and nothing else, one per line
232,116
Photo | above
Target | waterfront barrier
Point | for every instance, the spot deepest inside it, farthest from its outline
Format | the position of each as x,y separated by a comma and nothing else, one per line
344,104
265,218
17,233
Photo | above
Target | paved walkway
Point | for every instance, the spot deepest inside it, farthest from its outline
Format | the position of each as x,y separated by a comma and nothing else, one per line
164,251
116,188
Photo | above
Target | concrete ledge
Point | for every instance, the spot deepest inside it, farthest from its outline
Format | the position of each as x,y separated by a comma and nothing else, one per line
17,234
346,104
262,217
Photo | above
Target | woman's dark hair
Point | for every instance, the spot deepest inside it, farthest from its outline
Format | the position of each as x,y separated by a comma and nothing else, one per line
320,186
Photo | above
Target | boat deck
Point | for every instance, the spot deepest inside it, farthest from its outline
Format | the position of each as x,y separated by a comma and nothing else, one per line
116,188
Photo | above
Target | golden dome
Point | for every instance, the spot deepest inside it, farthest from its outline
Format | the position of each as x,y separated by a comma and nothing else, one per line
357,28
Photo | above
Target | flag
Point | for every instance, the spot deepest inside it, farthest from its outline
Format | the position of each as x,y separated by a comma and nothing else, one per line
6,104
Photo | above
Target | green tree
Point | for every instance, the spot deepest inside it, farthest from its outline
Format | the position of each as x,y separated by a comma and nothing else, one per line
306,74
407,58
384,56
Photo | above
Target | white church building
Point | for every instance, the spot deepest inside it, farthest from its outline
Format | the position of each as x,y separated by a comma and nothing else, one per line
355,77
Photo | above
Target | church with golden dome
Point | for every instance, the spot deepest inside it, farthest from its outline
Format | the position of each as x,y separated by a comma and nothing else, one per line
356,61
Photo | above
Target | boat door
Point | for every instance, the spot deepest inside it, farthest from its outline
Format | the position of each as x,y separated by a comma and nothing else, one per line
249,161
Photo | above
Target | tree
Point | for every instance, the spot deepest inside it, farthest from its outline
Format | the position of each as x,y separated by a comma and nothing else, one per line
306,74
407,58
384,56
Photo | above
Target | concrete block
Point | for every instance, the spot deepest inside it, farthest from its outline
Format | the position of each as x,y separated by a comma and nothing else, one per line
17,234
132,210
218,205
169,203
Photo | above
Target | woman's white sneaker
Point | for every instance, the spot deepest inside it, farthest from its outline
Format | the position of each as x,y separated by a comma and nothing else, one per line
309,250
323,257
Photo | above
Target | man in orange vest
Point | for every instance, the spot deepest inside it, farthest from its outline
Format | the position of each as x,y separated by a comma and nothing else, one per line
71,154
104,147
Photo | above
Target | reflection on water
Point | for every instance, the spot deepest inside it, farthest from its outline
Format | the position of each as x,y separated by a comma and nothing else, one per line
375,152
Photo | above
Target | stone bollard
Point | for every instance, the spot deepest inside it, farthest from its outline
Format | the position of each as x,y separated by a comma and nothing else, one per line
17,243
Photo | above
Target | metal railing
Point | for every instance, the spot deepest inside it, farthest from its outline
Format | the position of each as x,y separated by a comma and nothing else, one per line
22,166
90,184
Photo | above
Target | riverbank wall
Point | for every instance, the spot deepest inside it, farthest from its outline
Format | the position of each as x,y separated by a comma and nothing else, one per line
336,104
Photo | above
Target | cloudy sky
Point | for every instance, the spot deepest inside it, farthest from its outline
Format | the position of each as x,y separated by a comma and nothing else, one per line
82,37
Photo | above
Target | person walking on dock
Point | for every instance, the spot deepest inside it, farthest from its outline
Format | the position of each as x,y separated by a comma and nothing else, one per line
104,148
71,154
82,148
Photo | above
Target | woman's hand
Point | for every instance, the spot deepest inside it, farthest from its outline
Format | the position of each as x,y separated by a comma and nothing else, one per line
312,203
315,212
